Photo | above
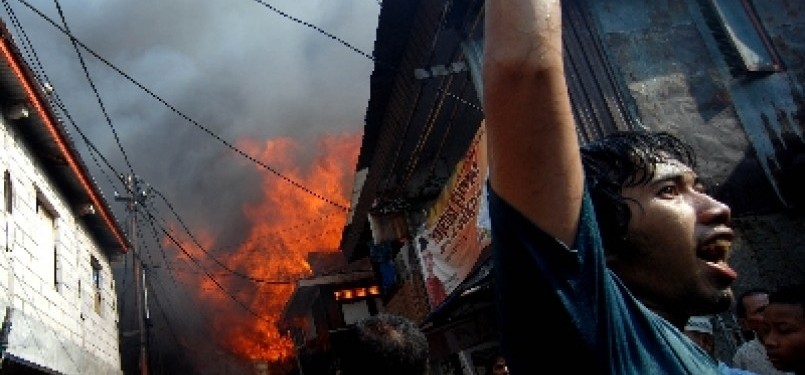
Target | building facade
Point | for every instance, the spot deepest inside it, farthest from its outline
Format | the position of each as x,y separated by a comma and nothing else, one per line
57,239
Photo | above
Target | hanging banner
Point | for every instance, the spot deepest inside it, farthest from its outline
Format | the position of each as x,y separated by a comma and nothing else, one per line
450,241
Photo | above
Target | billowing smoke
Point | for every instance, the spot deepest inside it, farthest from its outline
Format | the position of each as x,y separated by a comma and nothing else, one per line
237,69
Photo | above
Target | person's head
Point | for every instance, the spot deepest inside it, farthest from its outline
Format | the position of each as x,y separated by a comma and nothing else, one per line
385,344
749,308
783,328
497,365
700,330
663,235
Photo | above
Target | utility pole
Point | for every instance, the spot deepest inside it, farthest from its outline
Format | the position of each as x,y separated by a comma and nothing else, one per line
136,196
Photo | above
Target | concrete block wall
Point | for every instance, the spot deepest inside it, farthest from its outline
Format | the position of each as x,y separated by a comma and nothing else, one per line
54,325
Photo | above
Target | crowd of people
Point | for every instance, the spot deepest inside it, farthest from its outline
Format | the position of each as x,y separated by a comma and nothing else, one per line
391,344
751,355
700,330
616,243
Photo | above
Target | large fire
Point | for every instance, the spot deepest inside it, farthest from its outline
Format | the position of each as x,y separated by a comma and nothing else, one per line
286,225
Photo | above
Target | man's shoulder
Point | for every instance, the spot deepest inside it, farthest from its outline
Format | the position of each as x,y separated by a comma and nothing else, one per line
748,348
726,370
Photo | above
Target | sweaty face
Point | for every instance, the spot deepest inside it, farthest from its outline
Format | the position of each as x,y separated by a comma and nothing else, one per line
681,239
783,335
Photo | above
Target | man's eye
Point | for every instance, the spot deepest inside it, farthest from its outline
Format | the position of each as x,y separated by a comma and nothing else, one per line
669,190
785,330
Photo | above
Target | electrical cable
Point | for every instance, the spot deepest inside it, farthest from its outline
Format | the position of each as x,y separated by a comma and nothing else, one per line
159,306
316,28
73,41
184,116
161,249
41,74
215,281
200,247
165,317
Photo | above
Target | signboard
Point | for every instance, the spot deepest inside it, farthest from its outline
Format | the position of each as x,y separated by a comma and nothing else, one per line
451,240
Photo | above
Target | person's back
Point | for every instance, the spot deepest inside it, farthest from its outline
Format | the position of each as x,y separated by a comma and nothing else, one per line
618,243
383,344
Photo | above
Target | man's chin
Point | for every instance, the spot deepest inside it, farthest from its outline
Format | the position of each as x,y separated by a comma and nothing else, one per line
780,365
724,300
718,302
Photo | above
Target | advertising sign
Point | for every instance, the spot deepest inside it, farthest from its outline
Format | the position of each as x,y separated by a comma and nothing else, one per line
451,240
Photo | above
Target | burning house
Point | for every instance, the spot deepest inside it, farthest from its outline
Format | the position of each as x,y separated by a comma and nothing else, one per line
247,286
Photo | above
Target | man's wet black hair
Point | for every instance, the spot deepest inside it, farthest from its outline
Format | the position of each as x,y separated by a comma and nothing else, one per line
626,159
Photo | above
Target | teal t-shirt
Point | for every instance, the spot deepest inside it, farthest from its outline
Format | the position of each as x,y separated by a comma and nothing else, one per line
560,306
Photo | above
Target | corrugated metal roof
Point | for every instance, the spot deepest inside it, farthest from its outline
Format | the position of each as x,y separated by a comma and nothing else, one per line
417,128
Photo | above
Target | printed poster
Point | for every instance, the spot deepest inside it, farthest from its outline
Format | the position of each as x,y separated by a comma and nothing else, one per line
450,241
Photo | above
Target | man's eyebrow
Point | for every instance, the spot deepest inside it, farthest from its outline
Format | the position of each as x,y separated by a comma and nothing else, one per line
676,175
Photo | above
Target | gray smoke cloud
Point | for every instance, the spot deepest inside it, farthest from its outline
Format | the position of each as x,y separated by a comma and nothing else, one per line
235,67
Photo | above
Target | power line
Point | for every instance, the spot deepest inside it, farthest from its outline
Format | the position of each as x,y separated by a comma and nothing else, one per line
76,43
73,41
40,73
184,116
314,27
213,279
155,238
155,296
197,244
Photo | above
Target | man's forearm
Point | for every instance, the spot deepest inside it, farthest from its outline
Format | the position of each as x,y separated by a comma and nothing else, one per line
533,148
524,32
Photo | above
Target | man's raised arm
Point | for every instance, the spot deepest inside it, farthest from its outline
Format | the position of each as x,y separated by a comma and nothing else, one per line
533,147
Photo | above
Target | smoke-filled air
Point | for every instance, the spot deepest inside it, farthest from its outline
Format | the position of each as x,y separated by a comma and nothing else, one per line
242,121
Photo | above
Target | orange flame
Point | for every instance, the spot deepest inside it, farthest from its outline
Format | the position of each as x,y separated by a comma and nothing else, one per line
286,225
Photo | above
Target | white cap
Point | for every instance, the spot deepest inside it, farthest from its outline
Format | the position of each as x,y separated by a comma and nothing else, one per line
699,324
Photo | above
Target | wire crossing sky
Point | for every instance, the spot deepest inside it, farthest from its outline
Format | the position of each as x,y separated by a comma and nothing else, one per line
249,71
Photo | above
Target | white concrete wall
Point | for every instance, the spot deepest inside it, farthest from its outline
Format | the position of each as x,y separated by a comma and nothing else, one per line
53,325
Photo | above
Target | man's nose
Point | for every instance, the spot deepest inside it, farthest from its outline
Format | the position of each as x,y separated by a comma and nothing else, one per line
769,339
712,210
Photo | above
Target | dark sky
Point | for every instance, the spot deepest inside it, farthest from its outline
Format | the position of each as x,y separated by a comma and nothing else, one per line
235,67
